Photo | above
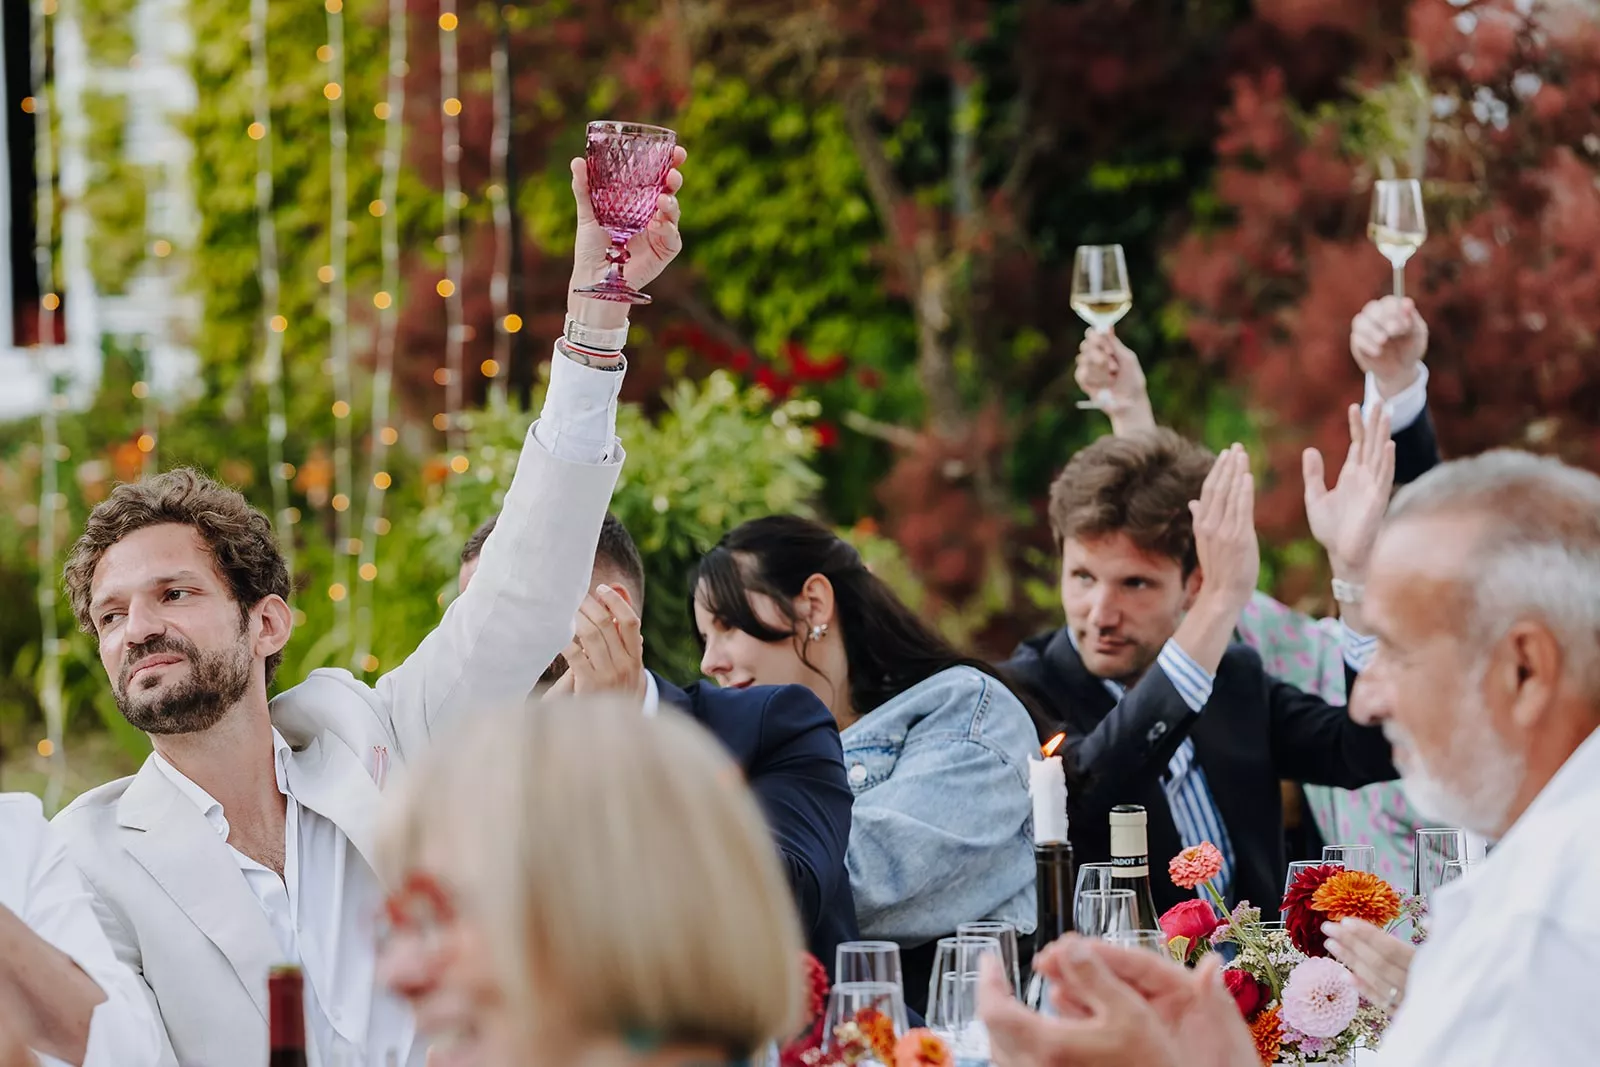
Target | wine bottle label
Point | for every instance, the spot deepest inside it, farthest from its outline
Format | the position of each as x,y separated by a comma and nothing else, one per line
1128,846
1130,866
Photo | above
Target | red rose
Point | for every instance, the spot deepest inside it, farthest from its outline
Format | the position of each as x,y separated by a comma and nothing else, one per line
1193,919
1249,993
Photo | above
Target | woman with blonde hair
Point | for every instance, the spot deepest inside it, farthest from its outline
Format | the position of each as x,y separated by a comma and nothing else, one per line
580,884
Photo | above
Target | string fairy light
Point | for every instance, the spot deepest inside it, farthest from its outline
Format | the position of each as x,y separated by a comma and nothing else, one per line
449,286
50,498
338,318
273,323
392,112
500,193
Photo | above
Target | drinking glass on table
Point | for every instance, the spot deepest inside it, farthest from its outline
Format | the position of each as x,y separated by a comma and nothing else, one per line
1100,292
1398,226
1004,933
846,1003
1452,871
1145,940
1434,848
1094,876
876,962
1295,868
627,165
1352,857
1099,912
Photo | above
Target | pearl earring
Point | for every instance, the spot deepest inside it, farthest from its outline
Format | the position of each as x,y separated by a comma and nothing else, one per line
819,632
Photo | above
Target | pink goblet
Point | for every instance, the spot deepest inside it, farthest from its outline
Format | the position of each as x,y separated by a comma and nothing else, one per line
628,165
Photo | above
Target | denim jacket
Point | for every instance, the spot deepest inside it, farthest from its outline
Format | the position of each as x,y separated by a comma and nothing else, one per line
941,832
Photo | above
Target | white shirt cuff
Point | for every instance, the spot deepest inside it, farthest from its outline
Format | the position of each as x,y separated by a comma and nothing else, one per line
1192,681
579,420
1358,649
1406,406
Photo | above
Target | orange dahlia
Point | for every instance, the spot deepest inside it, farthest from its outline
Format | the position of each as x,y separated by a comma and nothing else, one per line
1357,895
878,1029
1268,1034
921,1048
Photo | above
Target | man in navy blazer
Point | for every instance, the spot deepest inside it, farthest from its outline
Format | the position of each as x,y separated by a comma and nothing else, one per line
781,735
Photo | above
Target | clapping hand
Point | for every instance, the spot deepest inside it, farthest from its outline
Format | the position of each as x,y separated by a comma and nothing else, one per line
649,251
1380,961
607,649
1225,530
1346,518
1388,339
1108,371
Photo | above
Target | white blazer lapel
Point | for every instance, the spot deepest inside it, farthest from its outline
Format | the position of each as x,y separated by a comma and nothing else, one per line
326,777
173,841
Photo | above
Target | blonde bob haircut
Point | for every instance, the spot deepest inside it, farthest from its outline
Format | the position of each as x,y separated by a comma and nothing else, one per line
621,867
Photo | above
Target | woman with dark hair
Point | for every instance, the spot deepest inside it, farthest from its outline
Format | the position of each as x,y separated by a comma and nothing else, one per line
935,746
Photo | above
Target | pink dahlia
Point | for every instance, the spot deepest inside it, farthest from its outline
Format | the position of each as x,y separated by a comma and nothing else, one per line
1320,998
1195,864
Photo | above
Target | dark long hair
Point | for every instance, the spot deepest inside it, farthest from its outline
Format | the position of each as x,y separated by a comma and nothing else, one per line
888,648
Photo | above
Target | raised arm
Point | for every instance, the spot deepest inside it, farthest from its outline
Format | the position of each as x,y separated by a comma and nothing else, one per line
60,980
497,637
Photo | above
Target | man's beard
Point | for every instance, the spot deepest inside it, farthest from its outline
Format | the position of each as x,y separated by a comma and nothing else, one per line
1477,757
217,680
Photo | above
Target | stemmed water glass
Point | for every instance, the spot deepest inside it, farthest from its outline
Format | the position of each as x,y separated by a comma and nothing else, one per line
1398,226
875,962
1006,935
1100,291
1352,857
628,164
1435,848
1295,867
953,994
1099,912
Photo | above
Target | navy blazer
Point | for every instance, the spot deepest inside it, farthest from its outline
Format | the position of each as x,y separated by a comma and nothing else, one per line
1254,731
788,744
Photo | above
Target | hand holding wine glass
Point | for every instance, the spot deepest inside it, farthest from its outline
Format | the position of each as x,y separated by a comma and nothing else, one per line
1100,292
1388,339
626,191
1398,226
1109,371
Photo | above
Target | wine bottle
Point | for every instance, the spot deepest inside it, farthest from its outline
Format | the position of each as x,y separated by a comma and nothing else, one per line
1055,877
286,1017
1130,860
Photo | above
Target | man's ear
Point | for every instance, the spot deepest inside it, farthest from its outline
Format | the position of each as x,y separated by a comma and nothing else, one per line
1192,586
276,620
623,591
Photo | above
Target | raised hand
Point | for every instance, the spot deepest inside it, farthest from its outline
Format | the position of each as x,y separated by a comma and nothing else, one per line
1225,530
607,649
1345,519
649,251
1108,371
1388,339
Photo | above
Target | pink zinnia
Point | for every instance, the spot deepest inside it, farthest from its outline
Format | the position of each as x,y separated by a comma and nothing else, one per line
1320,998
1195,864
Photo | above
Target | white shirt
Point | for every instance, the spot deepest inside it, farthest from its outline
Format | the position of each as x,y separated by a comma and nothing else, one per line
1512,965
42,888
323,910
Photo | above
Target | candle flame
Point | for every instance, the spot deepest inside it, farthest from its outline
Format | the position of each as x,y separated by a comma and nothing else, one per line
1051,745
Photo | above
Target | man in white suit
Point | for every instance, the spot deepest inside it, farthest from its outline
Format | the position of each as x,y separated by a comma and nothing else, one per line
247,837
62,989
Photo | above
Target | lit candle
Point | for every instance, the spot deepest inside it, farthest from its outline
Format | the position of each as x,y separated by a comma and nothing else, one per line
1047,785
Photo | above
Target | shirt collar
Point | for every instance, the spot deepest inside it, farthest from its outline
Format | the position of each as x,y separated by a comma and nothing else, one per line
652,695
209,806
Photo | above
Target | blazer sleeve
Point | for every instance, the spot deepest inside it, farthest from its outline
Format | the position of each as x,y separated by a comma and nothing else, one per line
1135,740
125,1029
1319,743
799,781
1416,450
497,638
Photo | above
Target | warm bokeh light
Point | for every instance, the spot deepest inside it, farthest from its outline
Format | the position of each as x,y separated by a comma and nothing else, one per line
489,367
336,592
146,443
382,480
332,91
325,273
51,301
448,21
161,247
279,324
512,322
256,131
446,288
452,106
381,300
141,390
459,464
369,572
341,409
341,502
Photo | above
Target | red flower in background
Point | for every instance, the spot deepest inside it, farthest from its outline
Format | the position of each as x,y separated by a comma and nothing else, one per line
1250,993
1193,919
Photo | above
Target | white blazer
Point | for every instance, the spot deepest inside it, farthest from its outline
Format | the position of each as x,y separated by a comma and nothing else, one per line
39,885
168,891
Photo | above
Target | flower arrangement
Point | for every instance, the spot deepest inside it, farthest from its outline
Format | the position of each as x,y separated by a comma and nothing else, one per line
1302,1006
868,1036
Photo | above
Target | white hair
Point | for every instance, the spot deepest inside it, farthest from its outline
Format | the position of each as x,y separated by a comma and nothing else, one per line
1538,553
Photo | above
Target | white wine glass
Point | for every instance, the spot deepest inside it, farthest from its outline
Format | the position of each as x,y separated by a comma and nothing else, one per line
1397,226
1352,857
1435,847
1099,912
1142,940
1100,291
1006,935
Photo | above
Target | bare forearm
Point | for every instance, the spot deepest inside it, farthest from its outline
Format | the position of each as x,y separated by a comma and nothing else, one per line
47,993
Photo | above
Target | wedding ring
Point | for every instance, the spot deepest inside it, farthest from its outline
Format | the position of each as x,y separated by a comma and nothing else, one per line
1392,999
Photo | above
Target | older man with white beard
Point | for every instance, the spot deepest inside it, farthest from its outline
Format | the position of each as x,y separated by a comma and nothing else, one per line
1483,592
